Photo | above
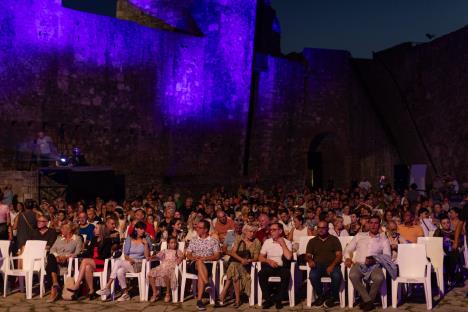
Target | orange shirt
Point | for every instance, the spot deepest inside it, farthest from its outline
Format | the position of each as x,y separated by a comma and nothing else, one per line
411,233
222,229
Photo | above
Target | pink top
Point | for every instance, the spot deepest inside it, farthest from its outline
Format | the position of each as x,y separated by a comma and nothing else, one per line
4,213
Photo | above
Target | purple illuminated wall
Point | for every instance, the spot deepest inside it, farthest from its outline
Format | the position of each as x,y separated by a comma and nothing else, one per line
150,102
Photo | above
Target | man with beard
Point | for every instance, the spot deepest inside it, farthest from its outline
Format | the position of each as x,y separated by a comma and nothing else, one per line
365,245
324,255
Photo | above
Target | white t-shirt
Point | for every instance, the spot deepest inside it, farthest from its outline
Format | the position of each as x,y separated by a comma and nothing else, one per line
346,219
273,250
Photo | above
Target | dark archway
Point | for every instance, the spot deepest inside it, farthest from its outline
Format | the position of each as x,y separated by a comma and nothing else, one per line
325,161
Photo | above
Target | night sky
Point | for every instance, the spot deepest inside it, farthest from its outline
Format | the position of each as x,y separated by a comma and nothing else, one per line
363,26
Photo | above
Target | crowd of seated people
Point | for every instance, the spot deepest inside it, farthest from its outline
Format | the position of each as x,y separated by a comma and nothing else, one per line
248,226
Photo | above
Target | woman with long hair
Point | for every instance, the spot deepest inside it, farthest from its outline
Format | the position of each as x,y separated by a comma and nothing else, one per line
136,248
96,251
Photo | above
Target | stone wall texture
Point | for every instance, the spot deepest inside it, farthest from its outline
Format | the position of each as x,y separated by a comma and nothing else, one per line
423,85
164,91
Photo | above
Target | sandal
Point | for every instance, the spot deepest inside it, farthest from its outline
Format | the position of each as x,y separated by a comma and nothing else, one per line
154,298
56,296
167,298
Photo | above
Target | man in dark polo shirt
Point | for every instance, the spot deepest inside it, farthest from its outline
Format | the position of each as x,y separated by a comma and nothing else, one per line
324,255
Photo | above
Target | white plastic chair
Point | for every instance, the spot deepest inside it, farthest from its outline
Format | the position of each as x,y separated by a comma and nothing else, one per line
275,279
435,252
141,276
148,269
344,240
4,256
413,268
194,278
303,241
33,259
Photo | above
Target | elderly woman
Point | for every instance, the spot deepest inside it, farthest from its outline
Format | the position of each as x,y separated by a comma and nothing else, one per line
244,251
65,247
338,229
136,248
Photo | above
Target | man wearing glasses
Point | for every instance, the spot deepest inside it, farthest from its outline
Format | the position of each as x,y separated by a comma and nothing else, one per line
44,233
202,248
324,255
275,256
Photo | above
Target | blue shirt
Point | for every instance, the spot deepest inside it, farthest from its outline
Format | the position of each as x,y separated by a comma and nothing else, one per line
88,231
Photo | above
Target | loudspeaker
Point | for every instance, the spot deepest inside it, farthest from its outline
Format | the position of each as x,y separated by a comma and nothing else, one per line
400,177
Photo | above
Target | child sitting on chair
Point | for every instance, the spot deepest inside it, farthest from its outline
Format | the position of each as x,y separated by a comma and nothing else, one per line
164,274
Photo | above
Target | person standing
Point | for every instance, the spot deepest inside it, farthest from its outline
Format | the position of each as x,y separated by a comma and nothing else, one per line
25,225
44,149
5,231
451,251
324,255
275,256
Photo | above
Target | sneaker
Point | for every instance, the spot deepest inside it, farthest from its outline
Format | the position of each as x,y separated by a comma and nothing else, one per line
329,303
219,303
103,292
279,305
318,302
124,297
200,306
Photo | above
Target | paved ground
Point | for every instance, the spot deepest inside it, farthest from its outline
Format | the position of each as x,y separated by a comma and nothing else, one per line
455,301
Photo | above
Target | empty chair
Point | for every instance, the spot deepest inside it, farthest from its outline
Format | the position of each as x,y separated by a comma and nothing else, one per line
435,252
33,262
413,268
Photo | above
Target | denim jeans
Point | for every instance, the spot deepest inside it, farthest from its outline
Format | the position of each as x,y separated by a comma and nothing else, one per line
320,271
